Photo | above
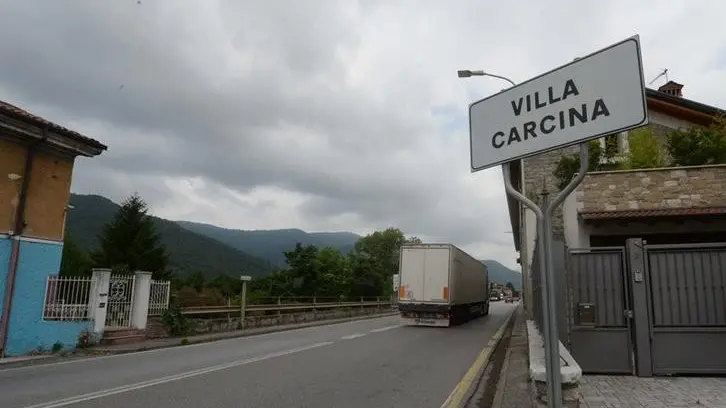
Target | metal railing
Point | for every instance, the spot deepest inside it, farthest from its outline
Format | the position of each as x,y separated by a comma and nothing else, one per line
287,307
67,298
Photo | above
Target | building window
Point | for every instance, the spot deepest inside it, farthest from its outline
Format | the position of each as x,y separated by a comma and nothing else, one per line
612,145
614,148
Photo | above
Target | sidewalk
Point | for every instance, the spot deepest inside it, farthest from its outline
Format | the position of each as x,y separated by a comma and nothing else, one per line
606,391
7,361
600,391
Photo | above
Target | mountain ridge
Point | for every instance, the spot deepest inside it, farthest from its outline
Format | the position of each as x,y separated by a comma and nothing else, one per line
91,212
271,244
213,250
501,274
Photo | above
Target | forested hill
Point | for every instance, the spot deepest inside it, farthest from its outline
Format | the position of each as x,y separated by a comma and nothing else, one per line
270,244
501,274
209,249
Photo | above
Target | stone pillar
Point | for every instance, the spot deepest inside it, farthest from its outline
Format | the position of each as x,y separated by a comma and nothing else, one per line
140,308
99,299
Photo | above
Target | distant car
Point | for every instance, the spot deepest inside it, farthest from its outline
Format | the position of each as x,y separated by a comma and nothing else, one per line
508,299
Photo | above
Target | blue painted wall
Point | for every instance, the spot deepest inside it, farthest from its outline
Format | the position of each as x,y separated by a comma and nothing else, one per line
5,245
28,331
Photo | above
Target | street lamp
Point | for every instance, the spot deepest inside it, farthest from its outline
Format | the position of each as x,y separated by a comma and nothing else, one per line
243,299
465,73
552,350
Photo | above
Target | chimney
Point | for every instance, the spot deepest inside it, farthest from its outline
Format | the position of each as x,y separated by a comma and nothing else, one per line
672,88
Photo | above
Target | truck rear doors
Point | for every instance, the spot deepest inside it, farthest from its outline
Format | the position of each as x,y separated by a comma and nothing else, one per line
425,274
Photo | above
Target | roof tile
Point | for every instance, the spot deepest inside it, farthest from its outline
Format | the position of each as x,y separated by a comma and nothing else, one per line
656,212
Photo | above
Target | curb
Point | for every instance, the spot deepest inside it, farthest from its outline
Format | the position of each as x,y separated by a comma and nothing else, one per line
466,387
98,352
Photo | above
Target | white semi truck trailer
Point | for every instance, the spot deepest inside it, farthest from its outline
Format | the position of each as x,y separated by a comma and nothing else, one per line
441,285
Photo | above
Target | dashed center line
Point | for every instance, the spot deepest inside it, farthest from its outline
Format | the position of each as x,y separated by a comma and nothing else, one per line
378,330
382,329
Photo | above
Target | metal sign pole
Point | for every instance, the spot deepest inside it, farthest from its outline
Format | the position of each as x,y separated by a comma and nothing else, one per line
546,261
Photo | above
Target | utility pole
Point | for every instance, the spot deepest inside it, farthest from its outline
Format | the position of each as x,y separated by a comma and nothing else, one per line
243,299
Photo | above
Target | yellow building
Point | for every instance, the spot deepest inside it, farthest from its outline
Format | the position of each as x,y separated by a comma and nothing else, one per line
36,168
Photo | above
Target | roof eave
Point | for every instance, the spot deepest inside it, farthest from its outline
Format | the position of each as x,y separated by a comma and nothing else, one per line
513,204
683,103
66,141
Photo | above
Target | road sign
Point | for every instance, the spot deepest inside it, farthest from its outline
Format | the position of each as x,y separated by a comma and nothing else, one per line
591,97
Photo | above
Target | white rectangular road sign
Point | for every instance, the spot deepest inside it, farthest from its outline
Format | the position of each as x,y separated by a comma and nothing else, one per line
594,96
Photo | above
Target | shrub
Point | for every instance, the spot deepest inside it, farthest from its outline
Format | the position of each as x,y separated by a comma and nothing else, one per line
176,323
570,164
644,150
699,145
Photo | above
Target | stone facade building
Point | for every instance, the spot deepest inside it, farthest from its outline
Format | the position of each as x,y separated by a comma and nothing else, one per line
597,212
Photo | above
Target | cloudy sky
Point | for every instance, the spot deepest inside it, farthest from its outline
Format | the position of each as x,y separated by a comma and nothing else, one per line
320,114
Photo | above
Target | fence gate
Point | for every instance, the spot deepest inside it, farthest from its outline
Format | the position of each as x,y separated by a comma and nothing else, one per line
120,301
598,306
687,291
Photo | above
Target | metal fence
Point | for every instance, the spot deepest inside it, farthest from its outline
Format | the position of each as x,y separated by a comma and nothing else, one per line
688,285
67,298
159,297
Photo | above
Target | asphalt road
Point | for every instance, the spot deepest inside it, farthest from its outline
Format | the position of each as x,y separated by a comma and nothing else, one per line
362,364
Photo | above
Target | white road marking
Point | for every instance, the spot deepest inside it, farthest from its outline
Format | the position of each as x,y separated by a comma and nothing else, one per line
172,348
352,336
144,384
382,329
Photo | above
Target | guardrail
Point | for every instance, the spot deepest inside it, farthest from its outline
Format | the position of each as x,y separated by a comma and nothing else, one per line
208,310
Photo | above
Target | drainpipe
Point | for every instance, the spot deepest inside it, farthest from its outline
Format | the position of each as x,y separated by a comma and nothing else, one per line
15,237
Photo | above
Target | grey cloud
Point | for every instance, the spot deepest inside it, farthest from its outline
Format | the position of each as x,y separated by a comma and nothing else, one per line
330,99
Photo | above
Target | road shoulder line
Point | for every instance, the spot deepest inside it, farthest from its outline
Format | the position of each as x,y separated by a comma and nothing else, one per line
466,386
224,336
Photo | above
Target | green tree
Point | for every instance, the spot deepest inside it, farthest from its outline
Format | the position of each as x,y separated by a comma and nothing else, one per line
303,269
228,286
414,240
569,165
195,280
129,242
75,261
510,286
374,260
279,283
334,273
698,145
644,150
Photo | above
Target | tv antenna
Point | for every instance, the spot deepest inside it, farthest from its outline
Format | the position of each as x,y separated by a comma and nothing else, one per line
664,73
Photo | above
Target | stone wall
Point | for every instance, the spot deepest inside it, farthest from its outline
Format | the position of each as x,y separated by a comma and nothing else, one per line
538,176
538,173
232,322
678,187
